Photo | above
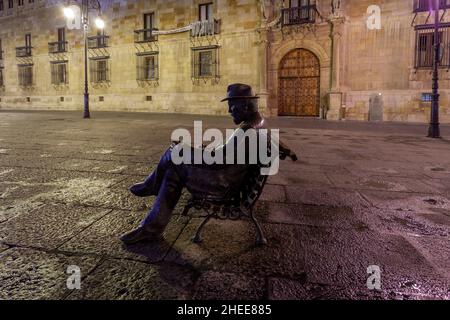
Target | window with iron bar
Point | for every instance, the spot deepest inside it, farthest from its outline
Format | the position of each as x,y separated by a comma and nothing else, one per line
59,72
1,5
25,75
99,70
205,12
147,67
428,5
424,49
205,62
20,2
299,12
2,83
149,19
10,4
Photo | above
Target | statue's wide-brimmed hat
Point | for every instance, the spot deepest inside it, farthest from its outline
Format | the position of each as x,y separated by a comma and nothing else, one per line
239,91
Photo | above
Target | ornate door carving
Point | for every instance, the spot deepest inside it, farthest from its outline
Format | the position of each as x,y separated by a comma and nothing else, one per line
299,84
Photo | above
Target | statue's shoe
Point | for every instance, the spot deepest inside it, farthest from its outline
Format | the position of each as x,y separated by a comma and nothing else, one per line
141,190
140,234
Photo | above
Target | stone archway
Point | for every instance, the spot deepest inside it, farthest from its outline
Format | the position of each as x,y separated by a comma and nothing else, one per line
299,84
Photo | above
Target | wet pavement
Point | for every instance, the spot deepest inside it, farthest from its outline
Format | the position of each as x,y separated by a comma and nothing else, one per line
362,194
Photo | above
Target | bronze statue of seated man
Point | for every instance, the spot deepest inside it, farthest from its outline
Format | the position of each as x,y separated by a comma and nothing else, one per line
169,179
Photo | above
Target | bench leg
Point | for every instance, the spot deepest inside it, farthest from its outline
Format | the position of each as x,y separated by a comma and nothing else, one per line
198,235
260,239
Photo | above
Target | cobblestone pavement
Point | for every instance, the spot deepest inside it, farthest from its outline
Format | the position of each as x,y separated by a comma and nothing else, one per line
362,194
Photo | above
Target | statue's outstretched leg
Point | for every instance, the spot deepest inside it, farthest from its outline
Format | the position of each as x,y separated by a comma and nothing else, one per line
152,184
153,225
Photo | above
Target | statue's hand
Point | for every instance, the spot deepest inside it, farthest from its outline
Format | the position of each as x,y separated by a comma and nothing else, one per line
293,156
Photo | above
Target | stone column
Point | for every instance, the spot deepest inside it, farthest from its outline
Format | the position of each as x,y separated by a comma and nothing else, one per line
335,95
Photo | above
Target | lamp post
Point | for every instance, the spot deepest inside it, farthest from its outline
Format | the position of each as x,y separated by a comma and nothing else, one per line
433,129
86,5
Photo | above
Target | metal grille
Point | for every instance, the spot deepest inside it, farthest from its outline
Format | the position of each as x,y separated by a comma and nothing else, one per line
424,51
59,73
99,70
23,52
147,67
299,84
25,75
205,28
57,47
97,42
205,62
427,5
304,11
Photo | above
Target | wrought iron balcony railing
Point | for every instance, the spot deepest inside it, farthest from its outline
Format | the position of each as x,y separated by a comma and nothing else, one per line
98,42
427,5
23,52
298,15
145,35
205,28
57,47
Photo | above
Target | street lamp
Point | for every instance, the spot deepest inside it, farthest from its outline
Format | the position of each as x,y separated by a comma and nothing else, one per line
69,13
433,130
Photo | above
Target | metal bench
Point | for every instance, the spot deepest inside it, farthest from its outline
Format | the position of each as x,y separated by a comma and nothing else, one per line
235,207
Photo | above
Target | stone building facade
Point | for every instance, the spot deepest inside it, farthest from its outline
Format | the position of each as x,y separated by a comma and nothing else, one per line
365,60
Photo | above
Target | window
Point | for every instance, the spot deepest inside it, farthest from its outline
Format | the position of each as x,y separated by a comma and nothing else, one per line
25,75
2,84
10,4
147,67
205,62
101,39
99,70
1,50
205,12
28,40
424,5
1,5
30,1
59,72
148,25
424,52
20,2
61,40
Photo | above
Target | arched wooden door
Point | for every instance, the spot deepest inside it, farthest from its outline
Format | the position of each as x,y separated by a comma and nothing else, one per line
299,84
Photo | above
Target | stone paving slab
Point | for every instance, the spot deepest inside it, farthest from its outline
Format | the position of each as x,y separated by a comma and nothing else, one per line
213,285
325,197
402,265
320,216
122,279
31,274
48,226
103,238
401,201
3,247
303,177
288,289
383,183
229,246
